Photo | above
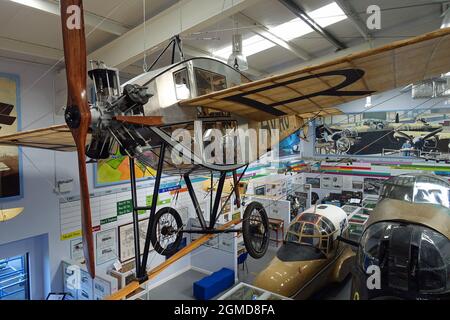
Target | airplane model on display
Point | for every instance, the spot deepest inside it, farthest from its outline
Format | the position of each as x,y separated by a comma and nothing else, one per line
204,97
311,256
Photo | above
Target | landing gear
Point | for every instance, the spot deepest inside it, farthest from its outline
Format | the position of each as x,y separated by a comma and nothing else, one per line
255,230
167,233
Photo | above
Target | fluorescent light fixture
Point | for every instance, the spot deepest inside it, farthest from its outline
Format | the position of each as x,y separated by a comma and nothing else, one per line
295,28
9,214
237,59
251,46
369,102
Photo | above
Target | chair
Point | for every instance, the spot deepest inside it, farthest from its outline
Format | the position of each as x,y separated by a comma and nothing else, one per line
242,259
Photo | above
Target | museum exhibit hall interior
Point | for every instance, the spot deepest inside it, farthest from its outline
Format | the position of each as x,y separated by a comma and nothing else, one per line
224,150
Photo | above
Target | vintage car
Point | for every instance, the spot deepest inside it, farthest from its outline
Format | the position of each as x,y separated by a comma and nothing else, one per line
311,256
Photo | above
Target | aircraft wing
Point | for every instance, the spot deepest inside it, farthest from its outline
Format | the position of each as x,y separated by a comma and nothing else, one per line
57,138
319,88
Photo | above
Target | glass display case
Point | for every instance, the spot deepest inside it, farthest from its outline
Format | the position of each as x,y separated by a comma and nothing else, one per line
246,292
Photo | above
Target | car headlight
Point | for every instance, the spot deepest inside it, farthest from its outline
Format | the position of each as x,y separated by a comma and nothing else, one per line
411,257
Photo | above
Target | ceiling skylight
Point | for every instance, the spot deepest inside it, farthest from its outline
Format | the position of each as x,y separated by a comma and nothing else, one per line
296,28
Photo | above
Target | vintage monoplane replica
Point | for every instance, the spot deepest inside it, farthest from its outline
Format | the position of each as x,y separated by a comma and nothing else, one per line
203,96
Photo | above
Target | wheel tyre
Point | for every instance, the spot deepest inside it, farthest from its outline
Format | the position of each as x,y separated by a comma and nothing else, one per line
247,230
173,247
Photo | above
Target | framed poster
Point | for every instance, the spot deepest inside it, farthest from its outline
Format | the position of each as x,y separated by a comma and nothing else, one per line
106,246
126,240
76,250
10,157
314,182
102,288
386,133
332,182
372,186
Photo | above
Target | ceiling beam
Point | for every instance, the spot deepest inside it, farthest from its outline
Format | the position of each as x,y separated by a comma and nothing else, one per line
300,12
187,16
30,49
90,19
355,19
264,32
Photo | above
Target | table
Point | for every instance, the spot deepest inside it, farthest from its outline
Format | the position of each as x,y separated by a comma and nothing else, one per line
277,225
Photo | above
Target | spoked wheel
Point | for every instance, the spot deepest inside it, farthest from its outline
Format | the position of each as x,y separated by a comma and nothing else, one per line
255,229
166,233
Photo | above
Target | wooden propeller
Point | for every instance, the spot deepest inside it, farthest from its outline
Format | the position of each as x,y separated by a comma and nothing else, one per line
78,115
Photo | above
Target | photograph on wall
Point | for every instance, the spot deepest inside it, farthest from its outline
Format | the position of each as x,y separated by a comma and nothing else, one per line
126,240
10,162
76,250
372,186
291,145
332,182
314,182
357,185
417,133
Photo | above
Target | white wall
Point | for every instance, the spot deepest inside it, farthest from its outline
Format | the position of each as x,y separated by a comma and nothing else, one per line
40,216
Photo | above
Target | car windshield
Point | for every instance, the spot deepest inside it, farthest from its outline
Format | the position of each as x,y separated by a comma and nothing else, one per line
423,189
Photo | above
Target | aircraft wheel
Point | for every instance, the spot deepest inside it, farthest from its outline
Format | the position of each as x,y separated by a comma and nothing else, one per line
167,231
255,229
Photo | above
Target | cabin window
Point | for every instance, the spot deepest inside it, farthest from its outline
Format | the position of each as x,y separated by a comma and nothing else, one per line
182,87
208,81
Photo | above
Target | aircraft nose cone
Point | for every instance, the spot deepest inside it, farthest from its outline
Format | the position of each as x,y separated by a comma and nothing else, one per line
280,277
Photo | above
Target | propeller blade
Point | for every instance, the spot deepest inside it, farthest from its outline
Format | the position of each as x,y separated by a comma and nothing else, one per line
140,120
327,129
432,134
404,135
78,115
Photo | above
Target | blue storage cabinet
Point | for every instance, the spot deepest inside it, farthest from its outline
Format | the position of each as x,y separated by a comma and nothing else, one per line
211,286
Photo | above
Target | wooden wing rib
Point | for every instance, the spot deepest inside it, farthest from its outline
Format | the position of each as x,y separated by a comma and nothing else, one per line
314,89
57,138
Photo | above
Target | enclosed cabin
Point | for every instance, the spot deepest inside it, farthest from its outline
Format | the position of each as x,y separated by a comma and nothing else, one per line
313,234
310,256
185,80
407,236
